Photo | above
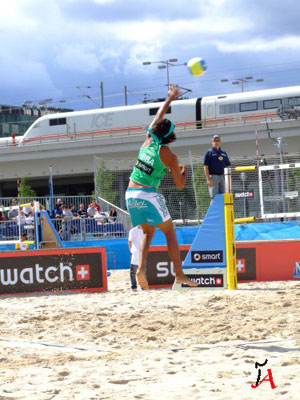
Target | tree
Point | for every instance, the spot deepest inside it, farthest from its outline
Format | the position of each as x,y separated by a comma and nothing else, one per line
104,183
25,190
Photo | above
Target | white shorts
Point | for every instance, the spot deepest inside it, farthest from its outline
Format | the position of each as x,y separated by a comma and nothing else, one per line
146,205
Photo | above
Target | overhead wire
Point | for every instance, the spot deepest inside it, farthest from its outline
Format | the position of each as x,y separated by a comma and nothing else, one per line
213,77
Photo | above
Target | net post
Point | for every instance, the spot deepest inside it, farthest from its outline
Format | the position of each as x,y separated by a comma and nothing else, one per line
227,174
230,241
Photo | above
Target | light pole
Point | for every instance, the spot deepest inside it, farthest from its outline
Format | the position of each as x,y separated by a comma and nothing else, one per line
241,81
166,64
44,103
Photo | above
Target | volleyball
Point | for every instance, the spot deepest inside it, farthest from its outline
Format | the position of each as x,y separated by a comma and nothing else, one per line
197,66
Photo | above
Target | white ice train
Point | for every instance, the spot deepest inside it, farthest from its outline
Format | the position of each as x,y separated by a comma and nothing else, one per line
196,113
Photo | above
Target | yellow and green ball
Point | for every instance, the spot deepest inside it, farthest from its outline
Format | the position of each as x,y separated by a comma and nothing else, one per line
197,66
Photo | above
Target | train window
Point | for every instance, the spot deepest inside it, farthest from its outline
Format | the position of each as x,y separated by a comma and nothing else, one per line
272,103
228,108
153,111
294,101
57,121
250,106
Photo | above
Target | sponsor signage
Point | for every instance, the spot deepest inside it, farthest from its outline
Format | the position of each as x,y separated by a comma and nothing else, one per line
246,264
207,256
291,195
274,198
160,268
206,280
244,195
53,270
255,261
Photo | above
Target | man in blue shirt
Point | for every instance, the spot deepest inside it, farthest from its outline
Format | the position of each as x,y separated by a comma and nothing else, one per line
215,161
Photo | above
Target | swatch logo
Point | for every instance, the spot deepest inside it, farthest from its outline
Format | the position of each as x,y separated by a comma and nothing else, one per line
207,281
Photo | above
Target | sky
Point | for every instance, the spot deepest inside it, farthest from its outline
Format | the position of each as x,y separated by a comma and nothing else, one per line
63,49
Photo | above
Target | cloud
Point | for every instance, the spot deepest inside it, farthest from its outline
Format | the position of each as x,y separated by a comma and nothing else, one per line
261,45
66,43
103,1
78,57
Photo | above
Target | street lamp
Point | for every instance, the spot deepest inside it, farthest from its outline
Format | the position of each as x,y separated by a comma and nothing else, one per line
166,64
241,81
44,103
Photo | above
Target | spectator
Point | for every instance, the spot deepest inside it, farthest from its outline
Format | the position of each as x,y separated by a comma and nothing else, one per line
96,205
27,209
22,217
29,225
66,222
2,215
58,203
13,213
58,208
134,239
57,223
112,216
72,209
23,237
214,163
81,212
92,210
100,218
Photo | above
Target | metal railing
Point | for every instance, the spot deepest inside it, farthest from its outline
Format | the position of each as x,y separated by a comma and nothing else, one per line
82,229
45,201
76,229
12,230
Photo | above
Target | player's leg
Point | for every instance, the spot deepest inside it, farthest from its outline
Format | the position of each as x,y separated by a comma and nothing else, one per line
149,231
168,229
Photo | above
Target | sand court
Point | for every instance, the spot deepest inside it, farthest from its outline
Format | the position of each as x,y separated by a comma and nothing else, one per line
159,344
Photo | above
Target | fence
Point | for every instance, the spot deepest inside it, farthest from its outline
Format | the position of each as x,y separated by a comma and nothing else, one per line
45,201
77,229
277,197
190,204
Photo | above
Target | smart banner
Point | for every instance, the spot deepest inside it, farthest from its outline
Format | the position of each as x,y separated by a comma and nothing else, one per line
54,270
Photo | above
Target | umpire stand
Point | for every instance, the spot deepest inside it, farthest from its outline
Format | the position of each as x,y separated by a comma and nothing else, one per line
211,260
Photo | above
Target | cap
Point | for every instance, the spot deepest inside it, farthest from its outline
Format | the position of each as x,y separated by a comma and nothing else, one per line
216,137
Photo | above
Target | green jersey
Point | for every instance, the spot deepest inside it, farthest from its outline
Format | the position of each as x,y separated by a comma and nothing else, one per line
149,170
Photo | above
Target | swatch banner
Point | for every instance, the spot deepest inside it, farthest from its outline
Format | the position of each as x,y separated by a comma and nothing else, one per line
160,268
246,264
53,270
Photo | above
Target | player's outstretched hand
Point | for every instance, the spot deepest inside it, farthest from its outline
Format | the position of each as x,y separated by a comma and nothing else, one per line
173,91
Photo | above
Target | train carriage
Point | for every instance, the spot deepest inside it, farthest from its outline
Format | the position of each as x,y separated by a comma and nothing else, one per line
196,113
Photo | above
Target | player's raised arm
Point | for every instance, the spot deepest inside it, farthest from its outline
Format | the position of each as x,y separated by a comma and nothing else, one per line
173,93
